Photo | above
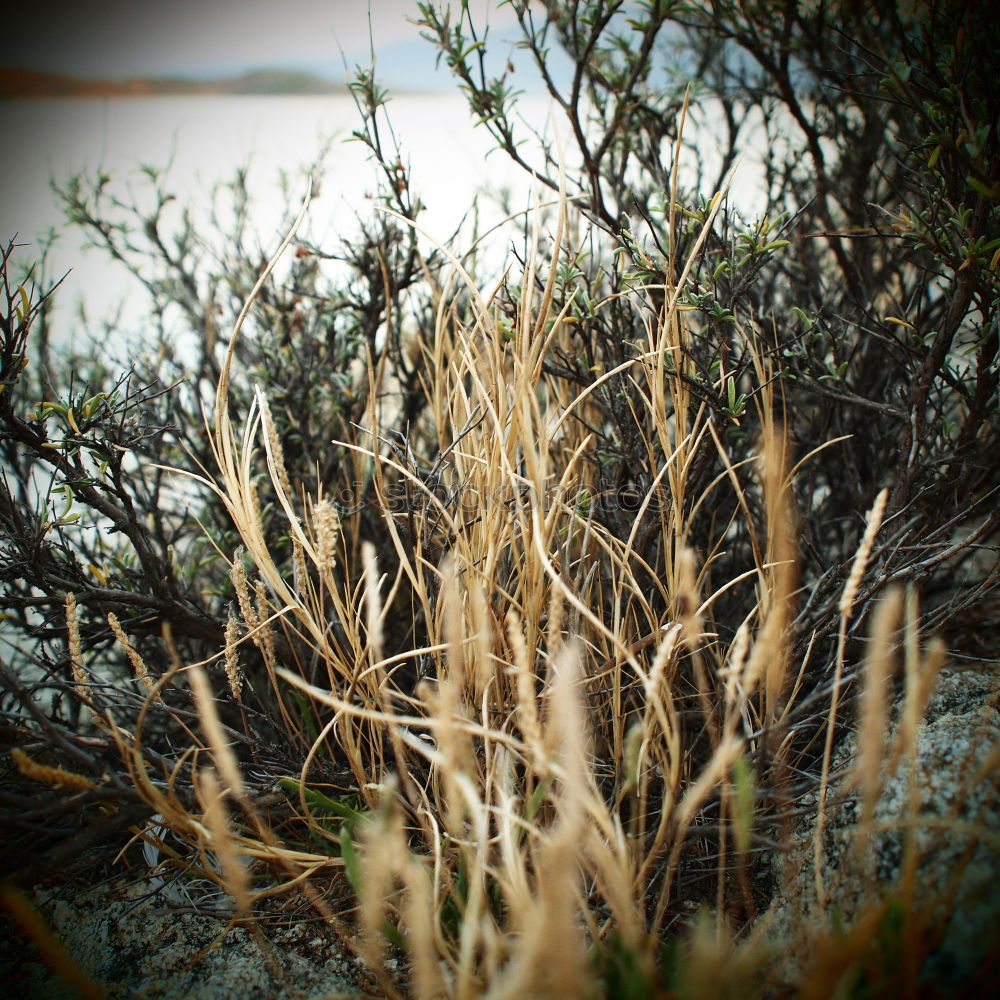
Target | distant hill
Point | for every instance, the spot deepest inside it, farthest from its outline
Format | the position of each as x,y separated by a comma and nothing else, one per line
21,83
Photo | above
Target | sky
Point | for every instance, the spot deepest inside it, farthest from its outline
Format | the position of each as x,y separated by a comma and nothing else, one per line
117,39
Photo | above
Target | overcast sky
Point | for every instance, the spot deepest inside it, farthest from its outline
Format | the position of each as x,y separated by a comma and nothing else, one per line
122,38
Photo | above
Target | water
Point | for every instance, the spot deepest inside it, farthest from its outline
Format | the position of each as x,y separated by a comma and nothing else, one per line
205,140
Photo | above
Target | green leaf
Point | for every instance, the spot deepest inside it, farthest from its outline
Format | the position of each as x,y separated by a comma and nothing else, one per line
980,188
393,935
322,804
803,318
305,711
352,860
745,791
24,309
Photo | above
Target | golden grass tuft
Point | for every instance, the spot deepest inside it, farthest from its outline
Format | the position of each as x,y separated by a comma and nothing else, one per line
569,730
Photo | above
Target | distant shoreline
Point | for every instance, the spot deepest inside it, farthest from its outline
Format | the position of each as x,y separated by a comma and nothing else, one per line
23,83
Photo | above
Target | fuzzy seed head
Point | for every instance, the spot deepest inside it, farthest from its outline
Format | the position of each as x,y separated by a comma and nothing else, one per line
234,672
239,577
863,554
327,524
75,646
57,776
138,664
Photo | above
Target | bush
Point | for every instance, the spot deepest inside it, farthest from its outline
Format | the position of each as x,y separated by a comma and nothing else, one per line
547,614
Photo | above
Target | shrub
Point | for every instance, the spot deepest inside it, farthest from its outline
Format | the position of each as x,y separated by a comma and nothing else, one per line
546,615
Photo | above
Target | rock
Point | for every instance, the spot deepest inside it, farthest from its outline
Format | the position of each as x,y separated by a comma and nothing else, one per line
134,943
956,780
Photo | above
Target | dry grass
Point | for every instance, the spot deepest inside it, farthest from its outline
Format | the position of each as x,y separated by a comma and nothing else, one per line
531,776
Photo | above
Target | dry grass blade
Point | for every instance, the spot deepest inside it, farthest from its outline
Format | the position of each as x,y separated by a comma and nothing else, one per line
234,872
48,945
846,606
215,738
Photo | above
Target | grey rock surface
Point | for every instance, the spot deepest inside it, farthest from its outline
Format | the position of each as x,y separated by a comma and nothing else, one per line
135,943
955,778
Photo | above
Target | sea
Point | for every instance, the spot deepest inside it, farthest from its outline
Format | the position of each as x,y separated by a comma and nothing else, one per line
201,142
197,143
